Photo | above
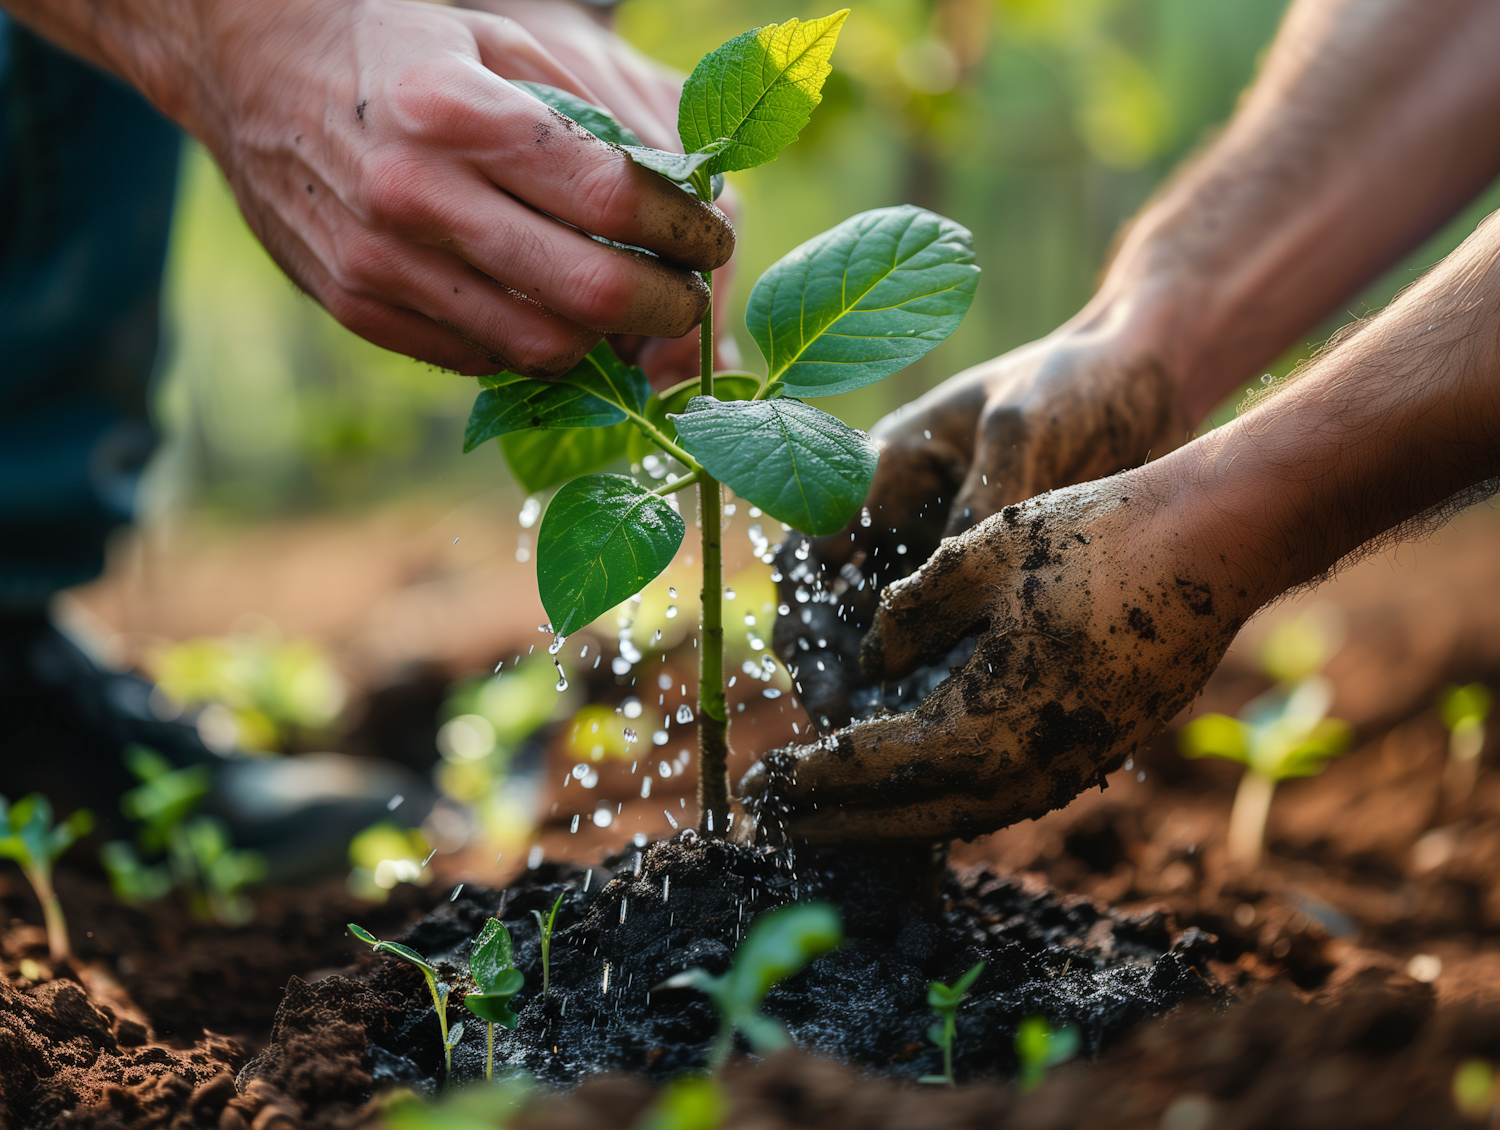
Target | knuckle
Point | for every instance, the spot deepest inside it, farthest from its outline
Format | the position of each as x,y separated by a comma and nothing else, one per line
367,268
604,291
391,190
606,198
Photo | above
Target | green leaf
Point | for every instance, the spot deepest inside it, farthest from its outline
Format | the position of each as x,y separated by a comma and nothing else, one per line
362,934
797,463
1214,735
966,982
524,403
778,944
694,1102
599,122
757,91
727,386
494,1007
543,457
491,956
602,539
610,379
863,300
678,167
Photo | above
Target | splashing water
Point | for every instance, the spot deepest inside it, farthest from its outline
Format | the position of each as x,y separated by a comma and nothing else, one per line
671,612
684,713
531,510
556,645
864,517
672,591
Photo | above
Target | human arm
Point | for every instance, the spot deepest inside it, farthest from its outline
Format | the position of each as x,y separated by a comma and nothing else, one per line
1099,610
1368,126
380,155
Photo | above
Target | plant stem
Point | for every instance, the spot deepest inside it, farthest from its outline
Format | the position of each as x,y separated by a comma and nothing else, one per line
1247,820
950,1026
489,1052
713,717
681,484
440,1006
57,927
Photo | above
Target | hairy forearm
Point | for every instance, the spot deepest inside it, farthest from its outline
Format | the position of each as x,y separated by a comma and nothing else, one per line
1393,421
1370,125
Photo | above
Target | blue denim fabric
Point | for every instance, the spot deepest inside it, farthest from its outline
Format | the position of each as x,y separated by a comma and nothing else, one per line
87,174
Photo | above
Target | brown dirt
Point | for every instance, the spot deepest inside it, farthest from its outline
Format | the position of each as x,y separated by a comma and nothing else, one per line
1375,878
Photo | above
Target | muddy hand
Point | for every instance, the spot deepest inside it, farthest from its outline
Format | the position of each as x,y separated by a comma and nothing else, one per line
1082,403
1095,623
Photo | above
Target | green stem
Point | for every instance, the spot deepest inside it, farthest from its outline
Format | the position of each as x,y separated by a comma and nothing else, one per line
949,1030
52,914
658,437
489,1050
680,484
439,1005
713,717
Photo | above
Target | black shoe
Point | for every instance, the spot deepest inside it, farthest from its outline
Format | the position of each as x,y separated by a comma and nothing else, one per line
66,720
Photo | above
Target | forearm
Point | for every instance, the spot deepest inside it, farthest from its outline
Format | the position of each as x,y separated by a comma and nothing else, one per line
1369,126
1392,422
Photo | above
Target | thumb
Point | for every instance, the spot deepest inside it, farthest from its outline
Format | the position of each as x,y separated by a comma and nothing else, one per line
921,618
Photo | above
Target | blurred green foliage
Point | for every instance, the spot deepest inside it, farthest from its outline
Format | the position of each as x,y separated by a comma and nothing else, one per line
1040,124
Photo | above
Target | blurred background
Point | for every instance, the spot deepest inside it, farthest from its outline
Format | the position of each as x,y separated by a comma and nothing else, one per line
321,563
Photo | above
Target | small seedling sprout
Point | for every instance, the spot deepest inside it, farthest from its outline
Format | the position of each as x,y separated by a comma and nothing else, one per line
1464,711
492,965
1281,734
28,836
1040,1046
545,927
778,944
944,1001
693,1102
846,309
437,987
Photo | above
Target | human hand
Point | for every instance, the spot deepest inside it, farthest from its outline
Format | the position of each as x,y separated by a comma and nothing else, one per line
1097,613
1079,404
379,154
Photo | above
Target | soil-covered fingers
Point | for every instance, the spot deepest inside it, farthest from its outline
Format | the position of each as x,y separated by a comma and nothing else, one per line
1095,620
1059,412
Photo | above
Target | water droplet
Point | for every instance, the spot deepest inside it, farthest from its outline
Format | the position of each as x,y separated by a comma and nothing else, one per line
672,591
646,787
579,772
620,665
665,769
901,549
603,816
631,707
802,595
729,594
783,610
671,613
534,857
800,553
771,692
661,737
750,619
864,517
394,803
556,645
574,827
684,713
562,681
672,820
531,510
757,644
631,736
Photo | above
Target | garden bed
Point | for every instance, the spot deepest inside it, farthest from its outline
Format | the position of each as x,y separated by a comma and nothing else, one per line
1361,960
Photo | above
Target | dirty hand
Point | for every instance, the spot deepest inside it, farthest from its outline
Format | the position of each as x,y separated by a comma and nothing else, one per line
1096,620
1081,403
379,153
643,94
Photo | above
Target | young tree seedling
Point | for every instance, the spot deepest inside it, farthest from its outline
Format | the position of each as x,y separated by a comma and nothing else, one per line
778,944
545,926
492,965
28,836
1281,734
846,309
944,1001
435,985
1040,1046
1464,711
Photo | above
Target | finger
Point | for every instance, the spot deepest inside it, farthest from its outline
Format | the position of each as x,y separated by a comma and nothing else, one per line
508,329
922,617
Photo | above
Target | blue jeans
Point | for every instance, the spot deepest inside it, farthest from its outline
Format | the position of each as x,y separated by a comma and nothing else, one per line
87,175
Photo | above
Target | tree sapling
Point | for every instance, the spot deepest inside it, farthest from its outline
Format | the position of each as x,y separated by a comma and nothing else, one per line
435,985
778,944
1281,734
492,965
28,835
1464,711
545,927
846,309
1040,1046
944,1001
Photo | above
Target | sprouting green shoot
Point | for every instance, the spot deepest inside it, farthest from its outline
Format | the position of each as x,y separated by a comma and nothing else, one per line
848,308
437,987
1464,711
944,1001
28,835
778,944
545,926
492,964
693,1102
1040,1046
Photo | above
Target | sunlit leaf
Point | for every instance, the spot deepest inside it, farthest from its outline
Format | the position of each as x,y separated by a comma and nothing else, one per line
757,91
1214,735
797,463
519,403
603,537
863,300
543,457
